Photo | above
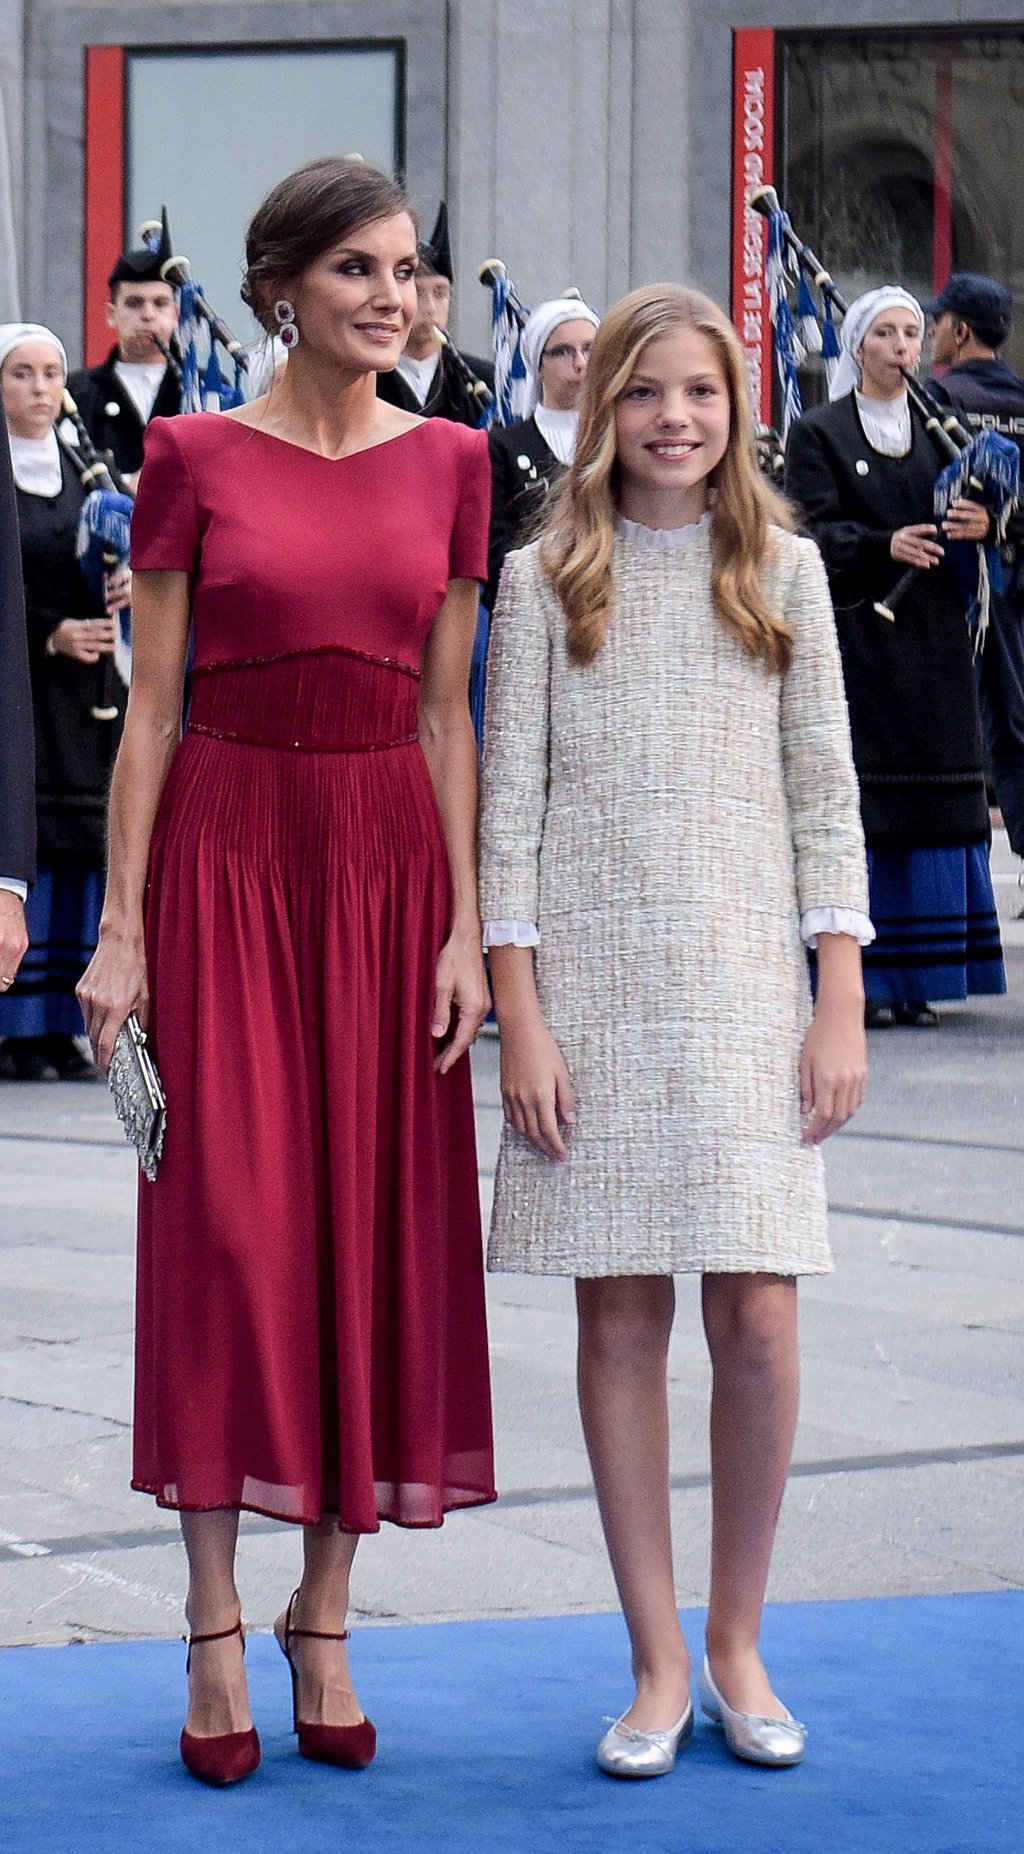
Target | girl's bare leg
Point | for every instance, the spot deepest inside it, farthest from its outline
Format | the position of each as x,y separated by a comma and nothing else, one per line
624,1329
326,1693
218,1698
751,1327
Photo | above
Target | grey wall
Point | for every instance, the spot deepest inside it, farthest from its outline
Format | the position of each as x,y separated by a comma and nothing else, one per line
59,31
582,141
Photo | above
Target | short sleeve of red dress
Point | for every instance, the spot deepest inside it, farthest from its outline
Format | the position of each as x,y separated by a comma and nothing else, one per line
165,520
467,552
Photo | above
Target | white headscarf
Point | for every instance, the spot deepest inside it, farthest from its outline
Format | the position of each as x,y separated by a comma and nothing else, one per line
857,321
35,461
540,326
15,334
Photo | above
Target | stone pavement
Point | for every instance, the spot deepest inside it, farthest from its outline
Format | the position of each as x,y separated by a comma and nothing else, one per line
909,1472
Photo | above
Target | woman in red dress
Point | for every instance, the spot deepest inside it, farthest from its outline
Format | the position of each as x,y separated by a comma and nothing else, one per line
292,907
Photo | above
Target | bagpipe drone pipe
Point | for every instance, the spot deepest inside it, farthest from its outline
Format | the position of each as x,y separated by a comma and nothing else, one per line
104,530
193,354
983,466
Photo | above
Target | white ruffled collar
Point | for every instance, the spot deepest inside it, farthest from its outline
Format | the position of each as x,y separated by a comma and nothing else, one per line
662,540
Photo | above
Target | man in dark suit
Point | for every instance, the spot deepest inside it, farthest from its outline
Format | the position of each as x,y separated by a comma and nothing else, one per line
135,383
427,380
971,319
17,750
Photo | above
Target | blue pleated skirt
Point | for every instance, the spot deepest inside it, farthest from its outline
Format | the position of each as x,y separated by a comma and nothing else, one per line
63,914
934,915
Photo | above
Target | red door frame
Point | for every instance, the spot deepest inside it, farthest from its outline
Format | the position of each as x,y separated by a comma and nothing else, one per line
104,189
753,165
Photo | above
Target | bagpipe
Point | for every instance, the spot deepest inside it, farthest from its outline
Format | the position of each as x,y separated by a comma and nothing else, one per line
509,317
983,466
201,331
104,529
478,389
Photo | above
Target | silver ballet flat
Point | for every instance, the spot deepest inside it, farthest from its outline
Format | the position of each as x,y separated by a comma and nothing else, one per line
757,1740
624,1752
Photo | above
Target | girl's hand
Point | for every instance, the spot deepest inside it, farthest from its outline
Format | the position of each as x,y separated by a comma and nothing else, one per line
113,983
966,520
536,1092
86,640
833,1069
461,985
917,546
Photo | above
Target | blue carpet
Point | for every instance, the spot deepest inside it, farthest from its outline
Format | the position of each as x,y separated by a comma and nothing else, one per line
487,1733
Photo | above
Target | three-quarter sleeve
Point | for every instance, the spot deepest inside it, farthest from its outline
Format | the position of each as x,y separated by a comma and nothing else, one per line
817,758
165,520
516,735
467,551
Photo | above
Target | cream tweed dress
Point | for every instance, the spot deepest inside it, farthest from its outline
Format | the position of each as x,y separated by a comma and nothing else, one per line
665,816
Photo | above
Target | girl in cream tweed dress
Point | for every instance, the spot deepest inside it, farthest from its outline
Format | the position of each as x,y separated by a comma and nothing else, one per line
670,812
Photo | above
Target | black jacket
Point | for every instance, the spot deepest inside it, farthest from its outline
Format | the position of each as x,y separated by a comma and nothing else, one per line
449,396
910,685
111,416
523,470
75,748
17,763
988,396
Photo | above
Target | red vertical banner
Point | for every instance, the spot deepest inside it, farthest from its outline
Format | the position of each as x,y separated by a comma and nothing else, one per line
942,186
104,188
753,165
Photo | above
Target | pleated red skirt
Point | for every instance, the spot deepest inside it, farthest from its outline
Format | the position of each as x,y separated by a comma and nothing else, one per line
311,1333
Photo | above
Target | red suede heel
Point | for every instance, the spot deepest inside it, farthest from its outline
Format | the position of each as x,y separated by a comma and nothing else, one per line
230,1756
350,1746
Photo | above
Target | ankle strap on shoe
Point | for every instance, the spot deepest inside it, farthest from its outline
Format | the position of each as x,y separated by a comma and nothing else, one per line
217,1635
315,1635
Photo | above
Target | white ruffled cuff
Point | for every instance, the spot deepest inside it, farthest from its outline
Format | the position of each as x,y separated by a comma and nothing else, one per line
511,933
836,920
815,921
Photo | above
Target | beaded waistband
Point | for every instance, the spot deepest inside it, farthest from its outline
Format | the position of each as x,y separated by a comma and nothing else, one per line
324,701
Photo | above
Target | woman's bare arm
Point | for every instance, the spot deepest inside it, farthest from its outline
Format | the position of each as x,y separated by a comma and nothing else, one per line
115,980
449,746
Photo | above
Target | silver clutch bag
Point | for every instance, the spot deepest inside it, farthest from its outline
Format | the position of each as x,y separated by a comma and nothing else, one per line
139,1100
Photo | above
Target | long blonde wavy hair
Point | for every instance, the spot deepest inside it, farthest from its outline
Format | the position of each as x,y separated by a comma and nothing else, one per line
577,537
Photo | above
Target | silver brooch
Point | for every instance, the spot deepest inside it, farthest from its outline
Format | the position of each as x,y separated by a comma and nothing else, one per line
861,467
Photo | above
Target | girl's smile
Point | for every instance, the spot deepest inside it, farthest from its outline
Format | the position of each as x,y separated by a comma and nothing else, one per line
672,424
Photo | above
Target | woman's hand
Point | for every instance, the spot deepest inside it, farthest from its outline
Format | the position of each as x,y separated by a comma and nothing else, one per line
917,546
84,639
536,1092
461,985
833,1069
113,983
13,936
966,520
118,590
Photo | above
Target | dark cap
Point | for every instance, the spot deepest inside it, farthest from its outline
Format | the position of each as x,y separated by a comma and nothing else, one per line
984,304
436,251
144,265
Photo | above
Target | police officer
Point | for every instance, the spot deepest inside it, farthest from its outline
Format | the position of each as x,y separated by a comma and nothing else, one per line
971,319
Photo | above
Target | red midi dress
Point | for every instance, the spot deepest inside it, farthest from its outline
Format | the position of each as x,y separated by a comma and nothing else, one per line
311,1335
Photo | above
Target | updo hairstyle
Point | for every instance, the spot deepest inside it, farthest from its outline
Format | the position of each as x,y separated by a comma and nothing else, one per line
310,212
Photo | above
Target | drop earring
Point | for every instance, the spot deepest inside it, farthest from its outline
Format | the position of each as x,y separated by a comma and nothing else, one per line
284,315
